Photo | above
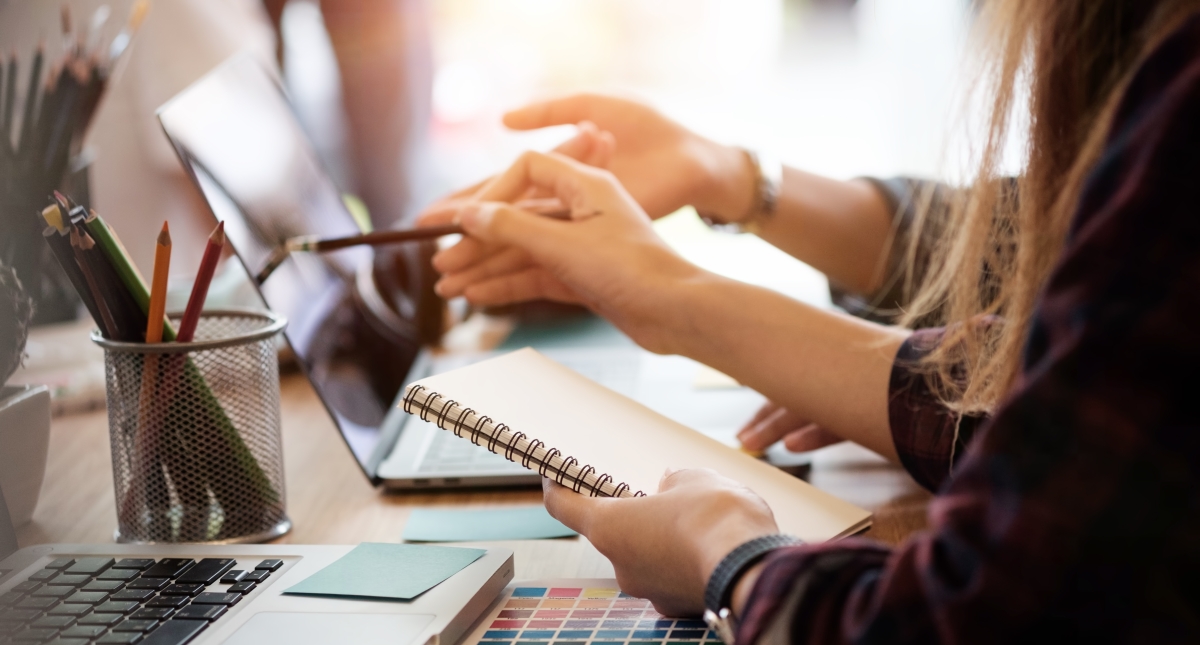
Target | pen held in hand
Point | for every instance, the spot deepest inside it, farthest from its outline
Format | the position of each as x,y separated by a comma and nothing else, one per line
551,208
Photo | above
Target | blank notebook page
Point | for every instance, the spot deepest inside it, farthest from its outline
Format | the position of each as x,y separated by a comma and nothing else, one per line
632,443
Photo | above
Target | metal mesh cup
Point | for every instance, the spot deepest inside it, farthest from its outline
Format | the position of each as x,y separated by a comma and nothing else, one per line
196,447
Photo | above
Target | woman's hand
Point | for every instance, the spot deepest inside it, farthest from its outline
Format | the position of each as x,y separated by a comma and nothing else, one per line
607,258
773,422
665,546
662,164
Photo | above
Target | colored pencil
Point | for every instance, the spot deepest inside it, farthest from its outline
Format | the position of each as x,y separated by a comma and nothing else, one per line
158,290
107,322
208,267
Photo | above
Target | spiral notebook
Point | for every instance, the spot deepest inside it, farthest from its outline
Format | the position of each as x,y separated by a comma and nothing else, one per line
597,442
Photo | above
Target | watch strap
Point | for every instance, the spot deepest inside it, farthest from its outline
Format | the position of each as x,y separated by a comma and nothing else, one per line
724,578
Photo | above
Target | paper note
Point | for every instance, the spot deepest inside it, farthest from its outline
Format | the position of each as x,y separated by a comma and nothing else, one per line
390,571
473,525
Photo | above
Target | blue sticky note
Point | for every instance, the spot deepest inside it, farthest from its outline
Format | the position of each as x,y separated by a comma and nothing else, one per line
478,525
390,571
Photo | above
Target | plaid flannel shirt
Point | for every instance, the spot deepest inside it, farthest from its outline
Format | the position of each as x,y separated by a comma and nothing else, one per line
1073,513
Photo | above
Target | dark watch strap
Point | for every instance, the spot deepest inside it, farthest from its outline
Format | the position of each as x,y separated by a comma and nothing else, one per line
720,585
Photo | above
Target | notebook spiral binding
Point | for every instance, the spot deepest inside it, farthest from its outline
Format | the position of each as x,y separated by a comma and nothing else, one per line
514,446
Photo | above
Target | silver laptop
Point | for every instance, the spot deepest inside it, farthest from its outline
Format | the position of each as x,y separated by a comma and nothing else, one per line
171,595
239,139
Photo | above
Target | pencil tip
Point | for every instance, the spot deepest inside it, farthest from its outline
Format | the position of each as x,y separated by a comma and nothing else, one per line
218,236
166,227
164,236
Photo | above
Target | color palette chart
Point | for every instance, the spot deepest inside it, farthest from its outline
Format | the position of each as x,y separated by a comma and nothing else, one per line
578,612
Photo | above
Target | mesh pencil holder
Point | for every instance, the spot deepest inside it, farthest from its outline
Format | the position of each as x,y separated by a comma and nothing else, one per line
196,446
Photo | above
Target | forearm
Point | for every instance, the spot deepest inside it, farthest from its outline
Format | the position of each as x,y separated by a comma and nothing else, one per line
832,367
841,228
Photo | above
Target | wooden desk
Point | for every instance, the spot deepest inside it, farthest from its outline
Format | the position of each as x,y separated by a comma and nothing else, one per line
331,502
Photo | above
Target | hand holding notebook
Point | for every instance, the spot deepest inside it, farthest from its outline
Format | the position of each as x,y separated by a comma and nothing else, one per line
597,442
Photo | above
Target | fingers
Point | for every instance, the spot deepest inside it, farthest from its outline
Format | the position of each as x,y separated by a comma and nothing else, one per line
810,438
773,427
574,183
563,111
578,512
501,223
507,261
530,284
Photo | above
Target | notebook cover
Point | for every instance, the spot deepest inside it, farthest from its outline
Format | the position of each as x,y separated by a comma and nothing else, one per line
625,439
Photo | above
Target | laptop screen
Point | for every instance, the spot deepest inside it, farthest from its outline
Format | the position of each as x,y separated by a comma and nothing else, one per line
238,137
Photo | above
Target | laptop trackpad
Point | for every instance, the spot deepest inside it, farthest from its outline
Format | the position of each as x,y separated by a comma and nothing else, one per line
323,629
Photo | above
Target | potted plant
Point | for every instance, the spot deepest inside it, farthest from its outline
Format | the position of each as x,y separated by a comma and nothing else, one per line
24,409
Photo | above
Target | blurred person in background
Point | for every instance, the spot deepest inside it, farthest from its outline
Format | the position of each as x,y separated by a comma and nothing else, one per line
1039,379
384,58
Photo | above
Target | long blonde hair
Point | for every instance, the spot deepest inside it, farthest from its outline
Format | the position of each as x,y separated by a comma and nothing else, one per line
996,250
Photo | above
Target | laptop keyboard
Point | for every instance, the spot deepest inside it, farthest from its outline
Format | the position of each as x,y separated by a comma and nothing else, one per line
168,601
450,454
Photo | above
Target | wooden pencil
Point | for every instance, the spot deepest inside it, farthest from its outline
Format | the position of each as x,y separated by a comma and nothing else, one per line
158,290
106,321
208,267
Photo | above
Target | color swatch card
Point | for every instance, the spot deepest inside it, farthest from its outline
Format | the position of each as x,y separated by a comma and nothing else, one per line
481,525
581,612
388,571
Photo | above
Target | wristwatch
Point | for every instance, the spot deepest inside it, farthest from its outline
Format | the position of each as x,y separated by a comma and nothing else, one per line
718,594
768,178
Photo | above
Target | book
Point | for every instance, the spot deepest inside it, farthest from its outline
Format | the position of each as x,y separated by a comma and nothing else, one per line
597,442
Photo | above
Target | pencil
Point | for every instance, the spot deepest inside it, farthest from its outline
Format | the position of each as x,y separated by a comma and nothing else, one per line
158,290
106,321
60,246
208,266
128,272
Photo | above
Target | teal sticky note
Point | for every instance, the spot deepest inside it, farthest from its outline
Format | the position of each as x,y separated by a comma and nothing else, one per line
478,525
390,571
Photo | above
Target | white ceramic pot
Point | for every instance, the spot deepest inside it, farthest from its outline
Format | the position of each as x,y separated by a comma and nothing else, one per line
24,442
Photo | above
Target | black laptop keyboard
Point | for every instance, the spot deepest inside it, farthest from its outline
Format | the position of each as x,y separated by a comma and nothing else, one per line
134,600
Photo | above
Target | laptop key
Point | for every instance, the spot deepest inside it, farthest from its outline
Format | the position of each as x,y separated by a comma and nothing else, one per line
136,595
269,565
123,575
258,575
169,568
242,587
29,586
172,602
70,610
115,607
217,599
86,598
207,571
201,612
183,590
175,632
153,584
40,604
18,615
90,566
134,625
70,580
120,638
83,631
53,622
61,563
152,613
53,592
68,641
233,577
107,586
107,620
34,635
134,563
43,575
10,598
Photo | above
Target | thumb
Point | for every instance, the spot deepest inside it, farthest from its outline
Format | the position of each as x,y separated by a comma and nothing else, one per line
574,510
563,111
